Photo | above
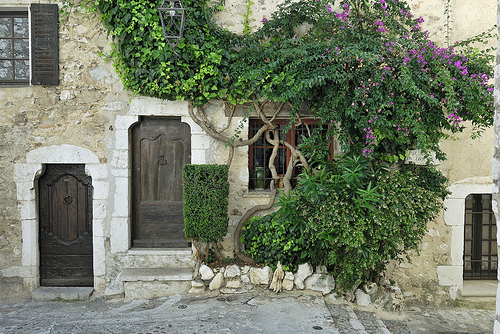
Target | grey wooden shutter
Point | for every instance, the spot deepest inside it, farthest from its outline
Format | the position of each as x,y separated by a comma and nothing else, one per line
44,44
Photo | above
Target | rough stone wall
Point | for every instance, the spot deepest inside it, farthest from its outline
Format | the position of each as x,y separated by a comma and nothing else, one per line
82,111
79,111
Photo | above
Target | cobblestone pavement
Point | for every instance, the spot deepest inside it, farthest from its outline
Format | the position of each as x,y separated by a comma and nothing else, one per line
237,313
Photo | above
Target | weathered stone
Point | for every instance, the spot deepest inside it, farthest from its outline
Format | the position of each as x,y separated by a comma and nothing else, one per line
319,282
245,269
261,276
305,270
197,283
232,271
277,281
381,298
245,279
206,272
233,283
288,281
216,282
362,298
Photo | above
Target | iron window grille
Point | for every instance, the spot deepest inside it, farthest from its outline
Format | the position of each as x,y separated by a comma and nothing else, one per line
261,150
480,243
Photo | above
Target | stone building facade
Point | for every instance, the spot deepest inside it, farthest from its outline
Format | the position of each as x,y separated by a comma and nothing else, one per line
87,119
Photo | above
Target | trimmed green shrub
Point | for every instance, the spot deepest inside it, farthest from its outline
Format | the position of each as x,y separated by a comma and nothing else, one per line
205,193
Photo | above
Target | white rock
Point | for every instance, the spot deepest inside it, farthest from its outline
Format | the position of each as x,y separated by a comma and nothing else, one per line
245,279
362,298
288,281
305,270
206,272
261,276
320,282
217,282
233,284
245,269
232,271
299,284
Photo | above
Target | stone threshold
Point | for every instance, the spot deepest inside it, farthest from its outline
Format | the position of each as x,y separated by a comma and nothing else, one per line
156,274
46,293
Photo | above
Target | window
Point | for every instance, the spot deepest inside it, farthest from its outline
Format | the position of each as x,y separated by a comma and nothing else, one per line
480,243
14,47
20,65
260,151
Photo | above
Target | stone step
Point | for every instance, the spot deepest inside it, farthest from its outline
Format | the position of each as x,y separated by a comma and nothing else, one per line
46,293
160,258
156,274
146,283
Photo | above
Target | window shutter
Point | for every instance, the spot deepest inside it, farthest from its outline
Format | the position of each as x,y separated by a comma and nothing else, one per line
44,44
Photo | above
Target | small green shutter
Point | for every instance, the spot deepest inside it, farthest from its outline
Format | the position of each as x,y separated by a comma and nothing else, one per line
44,44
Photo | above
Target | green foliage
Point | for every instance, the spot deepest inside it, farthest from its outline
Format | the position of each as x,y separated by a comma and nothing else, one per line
205,192
353,217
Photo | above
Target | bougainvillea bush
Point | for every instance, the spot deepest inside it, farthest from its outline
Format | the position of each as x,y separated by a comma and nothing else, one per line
367,70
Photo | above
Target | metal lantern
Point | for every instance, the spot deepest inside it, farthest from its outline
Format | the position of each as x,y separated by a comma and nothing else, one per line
172,16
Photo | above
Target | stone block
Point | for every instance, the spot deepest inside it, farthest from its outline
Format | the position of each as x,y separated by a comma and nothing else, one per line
124,122
97,171
454,213
233,283
261,276
288,281
119,235
101,189
120,159
25,191
99,208
27,210
320,282
232,271
304,271
362,298
121,139
449,275
30,242
206,272
216,282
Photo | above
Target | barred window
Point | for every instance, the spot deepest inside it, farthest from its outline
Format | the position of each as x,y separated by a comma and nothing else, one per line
261,150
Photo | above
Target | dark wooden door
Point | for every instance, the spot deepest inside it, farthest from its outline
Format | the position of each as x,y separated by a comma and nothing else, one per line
65,207
160,148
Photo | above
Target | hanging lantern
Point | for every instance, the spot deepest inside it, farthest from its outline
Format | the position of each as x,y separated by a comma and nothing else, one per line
172,16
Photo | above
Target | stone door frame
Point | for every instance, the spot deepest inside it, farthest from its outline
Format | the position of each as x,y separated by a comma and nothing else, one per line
26,177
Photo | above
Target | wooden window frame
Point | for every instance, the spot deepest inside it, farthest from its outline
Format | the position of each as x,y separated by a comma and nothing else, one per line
12,15
43,35
284,153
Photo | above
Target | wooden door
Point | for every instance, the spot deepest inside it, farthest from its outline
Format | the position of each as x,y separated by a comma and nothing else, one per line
160,148
65,207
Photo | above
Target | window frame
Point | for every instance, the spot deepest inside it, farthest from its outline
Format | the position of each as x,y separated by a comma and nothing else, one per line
13,14
43,36
290,137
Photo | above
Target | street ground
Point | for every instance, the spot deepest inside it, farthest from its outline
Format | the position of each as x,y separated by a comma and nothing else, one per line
294,312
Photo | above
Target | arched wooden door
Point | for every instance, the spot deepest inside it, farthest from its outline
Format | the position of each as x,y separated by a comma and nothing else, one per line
65,207
161,146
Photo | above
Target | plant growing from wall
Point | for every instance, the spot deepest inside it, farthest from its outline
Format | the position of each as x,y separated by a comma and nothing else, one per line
366,69
205,192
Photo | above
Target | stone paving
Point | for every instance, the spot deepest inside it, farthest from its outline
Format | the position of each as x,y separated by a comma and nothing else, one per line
293,312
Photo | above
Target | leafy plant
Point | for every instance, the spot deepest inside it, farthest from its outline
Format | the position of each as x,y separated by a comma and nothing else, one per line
353,218
205,192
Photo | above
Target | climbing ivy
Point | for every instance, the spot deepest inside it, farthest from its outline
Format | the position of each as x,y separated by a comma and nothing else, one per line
366,67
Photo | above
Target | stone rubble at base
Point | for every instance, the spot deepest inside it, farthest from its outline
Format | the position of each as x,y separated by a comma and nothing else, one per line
234,279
